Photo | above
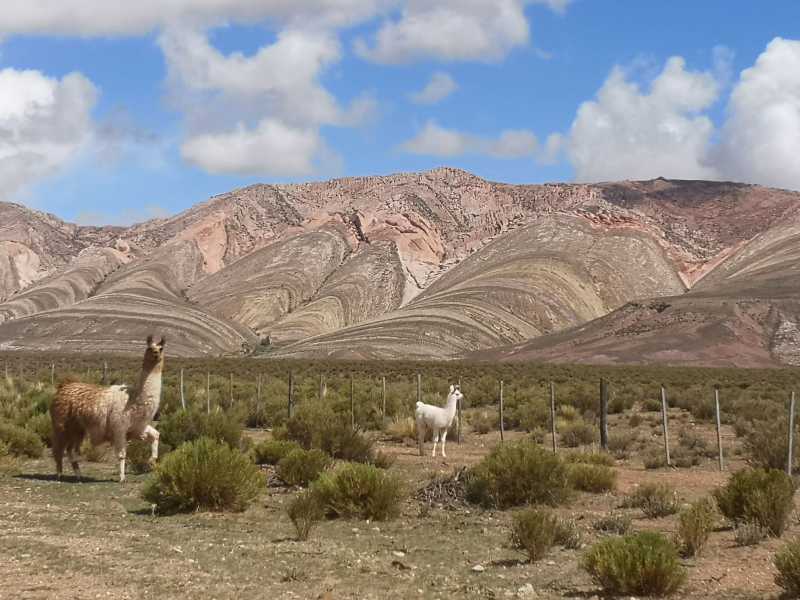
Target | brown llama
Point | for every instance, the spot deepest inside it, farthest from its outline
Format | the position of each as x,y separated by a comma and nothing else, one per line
108,414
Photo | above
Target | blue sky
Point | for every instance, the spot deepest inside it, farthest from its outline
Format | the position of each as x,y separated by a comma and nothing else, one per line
113,116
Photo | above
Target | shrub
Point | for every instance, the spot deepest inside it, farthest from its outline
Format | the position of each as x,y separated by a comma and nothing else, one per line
305,512
482,422
383,460
9,463
342,442
301,467
20,441
590,458
592,478
619,444
92,453
269,452
765,497
655,500
41,425
576,434
204,474
643,564
749,534
138,457
695,525
359,490
654,459
567,534
519,473
534,531
188,425
401,428
767,444
787,561
634,420
618,524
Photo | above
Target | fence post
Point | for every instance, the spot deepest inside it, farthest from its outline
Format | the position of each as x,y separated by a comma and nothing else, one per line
419,387
321,387
603,414
258,394
183,397
52,373
291,395
383,398
502,426
791,436
458,415
553,414
665,424
208,393
230,390
352,405
105,372
719,429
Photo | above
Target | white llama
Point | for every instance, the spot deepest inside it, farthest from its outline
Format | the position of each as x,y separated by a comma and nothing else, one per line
437,419
108,413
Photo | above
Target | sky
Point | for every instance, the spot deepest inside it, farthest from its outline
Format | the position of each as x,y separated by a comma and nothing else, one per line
117,115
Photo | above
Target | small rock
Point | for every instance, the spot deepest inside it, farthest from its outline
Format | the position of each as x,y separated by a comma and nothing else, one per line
479,568
398,553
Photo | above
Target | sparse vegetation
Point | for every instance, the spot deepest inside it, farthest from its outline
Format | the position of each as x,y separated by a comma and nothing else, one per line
269,452
305,511
749,534
655,499
301,467
577,433
643,564
764,497
534,531
593,478
203,475
21,441
188,425
787,562
618,524
359,490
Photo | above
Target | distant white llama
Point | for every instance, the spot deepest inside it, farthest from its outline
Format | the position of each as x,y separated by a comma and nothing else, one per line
437,419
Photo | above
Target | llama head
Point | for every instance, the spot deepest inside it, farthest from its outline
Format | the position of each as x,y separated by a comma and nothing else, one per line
455,392
154,354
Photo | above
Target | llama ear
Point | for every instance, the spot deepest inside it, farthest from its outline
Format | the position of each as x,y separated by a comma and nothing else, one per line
452,389
149,340
162,342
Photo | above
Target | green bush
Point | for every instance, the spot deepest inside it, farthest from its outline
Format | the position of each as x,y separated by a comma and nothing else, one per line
767,444
787,561
305,512
567,534
642,564
519,473
592,478
576,434
316,426
138,456
534,531
655,500
269,452
92,453
359,490
695,524
189,425
42,425
618,524
21,441
204,474
765,497
654,459
749,534
620,444
590,458
301,467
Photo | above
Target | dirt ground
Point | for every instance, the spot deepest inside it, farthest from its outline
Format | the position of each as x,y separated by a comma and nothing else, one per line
98,539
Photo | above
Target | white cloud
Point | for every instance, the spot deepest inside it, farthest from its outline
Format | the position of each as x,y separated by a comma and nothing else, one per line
271,148
105,18
450,30
44,124
440,86
630,134
435,140
760,139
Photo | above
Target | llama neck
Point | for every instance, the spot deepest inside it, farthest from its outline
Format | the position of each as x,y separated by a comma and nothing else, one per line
451,406
150,387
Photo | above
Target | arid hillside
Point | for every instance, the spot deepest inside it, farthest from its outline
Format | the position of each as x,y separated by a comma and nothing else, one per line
440,264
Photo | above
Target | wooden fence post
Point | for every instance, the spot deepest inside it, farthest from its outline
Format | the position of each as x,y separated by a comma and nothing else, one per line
352,405
603,414
52,373
665,424
419,387
789,458
719,428
258,394
291,395
502,425
105,373
553,414
208,393
183,397
458,415
321,388
230,390
383,398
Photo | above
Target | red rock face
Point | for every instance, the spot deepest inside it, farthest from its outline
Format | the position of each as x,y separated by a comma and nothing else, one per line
440,264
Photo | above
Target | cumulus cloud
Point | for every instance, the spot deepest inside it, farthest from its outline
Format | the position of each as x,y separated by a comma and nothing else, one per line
760,139
440,86
44,124
435,140
628,133
451,30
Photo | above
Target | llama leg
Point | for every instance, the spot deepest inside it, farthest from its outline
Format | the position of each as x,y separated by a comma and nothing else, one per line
58,453
120,447
444,437
150,433
421,437
435,441
72,455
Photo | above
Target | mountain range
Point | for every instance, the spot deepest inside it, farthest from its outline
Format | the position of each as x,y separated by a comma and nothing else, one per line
434,265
